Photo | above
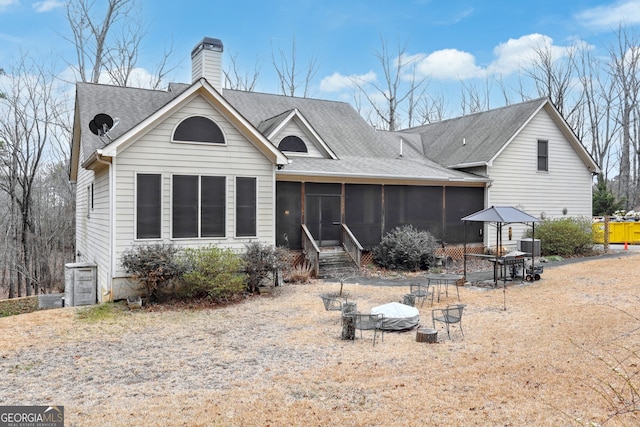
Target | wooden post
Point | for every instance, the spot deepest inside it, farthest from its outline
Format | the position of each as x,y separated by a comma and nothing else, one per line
606,234
348,327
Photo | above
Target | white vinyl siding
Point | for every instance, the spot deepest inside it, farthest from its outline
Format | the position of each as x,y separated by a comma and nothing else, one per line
517,182
93,231
154,153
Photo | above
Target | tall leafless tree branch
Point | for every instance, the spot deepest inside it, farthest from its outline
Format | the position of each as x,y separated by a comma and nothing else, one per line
235,79
286,67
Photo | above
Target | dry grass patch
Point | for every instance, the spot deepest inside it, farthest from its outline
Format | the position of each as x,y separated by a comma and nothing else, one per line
14,306
279,360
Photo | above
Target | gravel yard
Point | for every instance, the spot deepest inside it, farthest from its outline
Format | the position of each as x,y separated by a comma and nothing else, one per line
279,360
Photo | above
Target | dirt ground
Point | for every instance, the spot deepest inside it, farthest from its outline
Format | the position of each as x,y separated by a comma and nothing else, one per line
564,352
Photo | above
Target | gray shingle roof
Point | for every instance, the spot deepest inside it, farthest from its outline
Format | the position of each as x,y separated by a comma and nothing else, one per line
505,214
475,138
337,123
361,150
267,125
129,105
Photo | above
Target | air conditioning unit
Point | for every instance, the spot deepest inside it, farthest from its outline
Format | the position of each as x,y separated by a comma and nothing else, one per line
80,281
530,246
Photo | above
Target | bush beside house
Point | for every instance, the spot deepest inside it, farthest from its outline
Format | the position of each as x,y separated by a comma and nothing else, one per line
564,236
218,274
406,248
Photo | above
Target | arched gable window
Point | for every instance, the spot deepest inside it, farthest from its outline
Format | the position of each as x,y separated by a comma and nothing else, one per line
292,144
198,129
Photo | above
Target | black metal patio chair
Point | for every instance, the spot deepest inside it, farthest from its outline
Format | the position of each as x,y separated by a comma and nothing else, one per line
421,291
449,316
369,322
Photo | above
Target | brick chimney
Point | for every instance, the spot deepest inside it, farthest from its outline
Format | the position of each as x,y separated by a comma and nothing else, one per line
206,61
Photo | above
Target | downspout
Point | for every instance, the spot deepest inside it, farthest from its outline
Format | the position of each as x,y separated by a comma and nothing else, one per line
109,293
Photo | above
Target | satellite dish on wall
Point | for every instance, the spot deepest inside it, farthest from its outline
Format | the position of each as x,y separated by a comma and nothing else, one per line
101,124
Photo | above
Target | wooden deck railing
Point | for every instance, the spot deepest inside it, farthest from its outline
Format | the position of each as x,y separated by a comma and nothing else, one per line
351,245
311,250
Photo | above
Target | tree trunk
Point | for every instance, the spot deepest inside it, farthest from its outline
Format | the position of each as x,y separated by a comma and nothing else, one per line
348,327
427,335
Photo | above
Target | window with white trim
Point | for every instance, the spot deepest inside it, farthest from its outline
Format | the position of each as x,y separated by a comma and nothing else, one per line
148,206
198,206
543,155
198,129
292,144
246,206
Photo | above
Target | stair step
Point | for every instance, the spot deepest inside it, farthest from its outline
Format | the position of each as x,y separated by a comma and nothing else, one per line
335,263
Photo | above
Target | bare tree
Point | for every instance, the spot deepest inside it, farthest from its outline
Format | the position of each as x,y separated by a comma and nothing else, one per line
392,90
286,66
54,225
624,70
29,113
121,59
600,128
90,31
237,80
415,98
474,100
554,76
431,109
107,42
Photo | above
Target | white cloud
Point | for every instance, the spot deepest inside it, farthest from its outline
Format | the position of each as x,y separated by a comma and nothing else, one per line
516,53
338,82
451,65
448,64
610,16
47,5
6,3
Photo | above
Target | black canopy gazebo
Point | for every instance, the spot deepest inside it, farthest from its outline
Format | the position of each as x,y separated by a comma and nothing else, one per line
500,215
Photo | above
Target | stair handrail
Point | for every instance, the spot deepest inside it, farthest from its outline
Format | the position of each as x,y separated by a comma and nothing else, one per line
311,250
351,245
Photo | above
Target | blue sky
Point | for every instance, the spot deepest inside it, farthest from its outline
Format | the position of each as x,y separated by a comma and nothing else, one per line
455,41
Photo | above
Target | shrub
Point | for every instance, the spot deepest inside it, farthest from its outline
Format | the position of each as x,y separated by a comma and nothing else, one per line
213,272
564,236
300,273
154,266
260,261
406,248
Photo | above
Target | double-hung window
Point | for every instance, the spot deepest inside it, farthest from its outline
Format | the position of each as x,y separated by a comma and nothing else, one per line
543,155
198,206
246,206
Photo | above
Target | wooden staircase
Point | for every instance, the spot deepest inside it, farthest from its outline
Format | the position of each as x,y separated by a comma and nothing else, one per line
335,263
